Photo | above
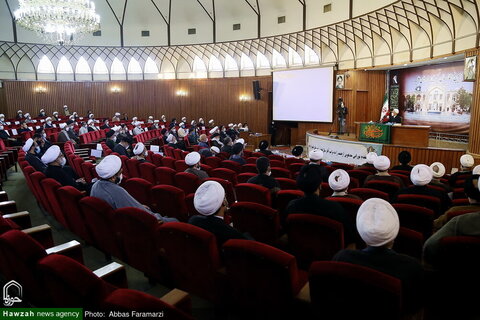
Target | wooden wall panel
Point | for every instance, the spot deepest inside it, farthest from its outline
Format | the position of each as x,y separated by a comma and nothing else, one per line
207,98
449,157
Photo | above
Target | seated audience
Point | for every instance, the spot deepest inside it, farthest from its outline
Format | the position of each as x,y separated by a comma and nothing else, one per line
382,163
237,153
404,158
63,135
23,127
339,180
192,160
43,142
106,124
203,141
211,203
182,132
58,170
309,180
42,113
438,170
297,152
83,128
5,136
215,140
263,146
421,175
140,152
476,170
209,152
91,126
122,146
32,150
378,226
316,157
227,145
107,187
48,123
371,156
263,178
473,195
111,138
466,164
467,224
138,128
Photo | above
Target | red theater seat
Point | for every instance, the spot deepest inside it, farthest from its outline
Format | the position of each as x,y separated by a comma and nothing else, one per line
250,192
139,189
70,203
147,172
188,182
224,173
367,193
133,170
165,175
169,201
51,186
415,217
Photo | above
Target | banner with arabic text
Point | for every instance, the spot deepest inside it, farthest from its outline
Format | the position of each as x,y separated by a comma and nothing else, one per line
374,132
343,151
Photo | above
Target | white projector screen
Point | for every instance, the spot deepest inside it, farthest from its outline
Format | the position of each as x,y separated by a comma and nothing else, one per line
303,95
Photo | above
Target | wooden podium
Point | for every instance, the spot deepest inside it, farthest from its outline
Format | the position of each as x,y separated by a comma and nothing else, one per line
254,140
406,135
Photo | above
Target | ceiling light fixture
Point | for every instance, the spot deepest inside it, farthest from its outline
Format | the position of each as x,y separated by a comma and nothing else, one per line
59,22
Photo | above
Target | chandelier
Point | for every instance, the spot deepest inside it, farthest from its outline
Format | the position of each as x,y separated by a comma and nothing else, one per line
59,22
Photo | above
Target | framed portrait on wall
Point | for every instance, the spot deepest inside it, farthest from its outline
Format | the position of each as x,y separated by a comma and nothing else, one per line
470,68
340,81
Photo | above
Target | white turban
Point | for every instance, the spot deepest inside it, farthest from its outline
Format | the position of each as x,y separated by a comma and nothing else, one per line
241,140
184,119
339,180
230,125
170,138
90,121
396,110
209,198
109,166
381,163
139,148
316,155
192,158
65,106
467,160
192,122
212,131
28,144
210,121
62,125
48,118
438,169
55,112
421,175
156,121
150,117
134,119
19,111
51,154
117,114
181,124
116,128
215,149
476,170
371,156
377,222
2,115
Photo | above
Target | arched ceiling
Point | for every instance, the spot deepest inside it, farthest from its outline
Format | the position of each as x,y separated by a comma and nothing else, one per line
168,21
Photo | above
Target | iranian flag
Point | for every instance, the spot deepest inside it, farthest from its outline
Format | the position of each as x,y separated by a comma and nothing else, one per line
385,109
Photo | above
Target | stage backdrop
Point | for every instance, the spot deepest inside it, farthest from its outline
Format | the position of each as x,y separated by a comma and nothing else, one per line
435,96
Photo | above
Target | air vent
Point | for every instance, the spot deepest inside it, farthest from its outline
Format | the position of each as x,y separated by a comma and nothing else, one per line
327,8
281,19
97,33
145,33
192,31
236,26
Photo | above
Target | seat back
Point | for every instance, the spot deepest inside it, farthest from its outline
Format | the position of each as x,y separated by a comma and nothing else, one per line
232,165
133,171
280,173
147,172
421,200
415,217
409,242
260,276
188,182
313,238
72,213
165,175
244,177
249,167
213,162
385,186
136,231
361,175
87,169
282,200
139,189
249,192
335,285
36,178
180,166
260,221
51,186
72,284
351,208
168,162
287,184
367,193
100,217
196,268
169,201
225,174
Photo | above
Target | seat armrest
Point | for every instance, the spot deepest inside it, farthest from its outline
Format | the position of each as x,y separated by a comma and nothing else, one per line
21,218
113,273
179,299
41,233
304,294
9,206
3,196
71,249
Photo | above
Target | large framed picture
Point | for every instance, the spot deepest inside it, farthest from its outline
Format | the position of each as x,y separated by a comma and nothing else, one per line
340,81
470,68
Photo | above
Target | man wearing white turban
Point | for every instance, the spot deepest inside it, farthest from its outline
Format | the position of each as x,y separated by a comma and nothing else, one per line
339,180
210,202
438,170
421,175
192,160
309,180
466,164
58,170
378,226
382,163
32,151
368,165
140,152
316,157
107,187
